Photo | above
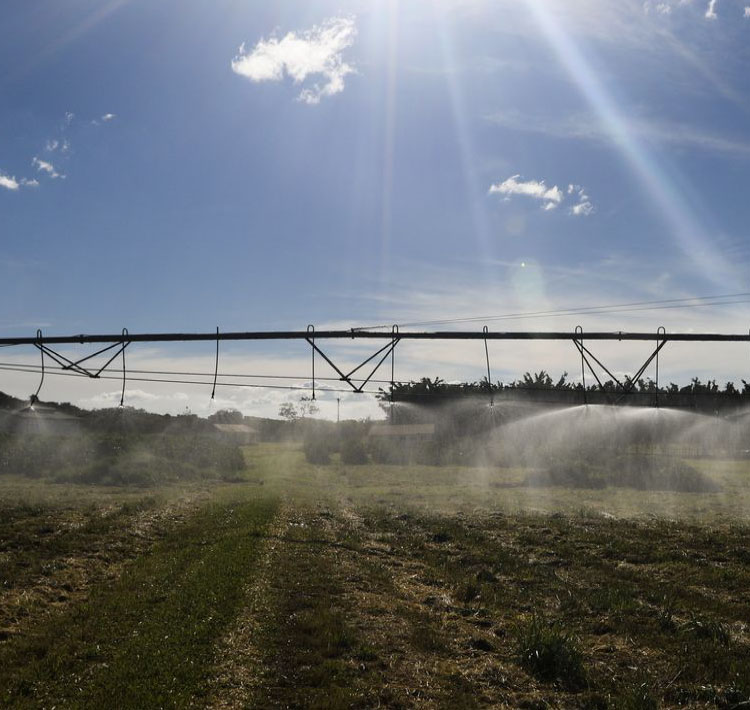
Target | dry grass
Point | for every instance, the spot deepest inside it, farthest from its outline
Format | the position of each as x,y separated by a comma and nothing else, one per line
400,587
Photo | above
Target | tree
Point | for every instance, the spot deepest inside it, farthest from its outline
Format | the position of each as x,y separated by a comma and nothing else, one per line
289,412
293,412
227,416
308,407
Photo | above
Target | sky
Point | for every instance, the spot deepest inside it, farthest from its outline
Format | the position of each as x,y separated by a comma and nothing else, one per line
180,165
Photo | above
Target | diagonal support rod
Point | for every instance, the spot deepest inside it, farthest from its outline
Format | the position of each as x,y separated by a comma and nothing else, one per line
631,385
68,364
386,350
123,345
389,351
625,388
583,350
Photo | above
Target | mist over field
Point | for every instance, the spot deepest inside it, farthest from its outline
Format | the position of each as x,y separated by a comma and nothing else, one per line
498,539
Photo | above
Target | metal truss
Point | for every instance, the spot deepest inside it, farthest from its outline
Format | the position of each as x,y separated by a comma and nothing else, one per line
623,388
76,366
116,344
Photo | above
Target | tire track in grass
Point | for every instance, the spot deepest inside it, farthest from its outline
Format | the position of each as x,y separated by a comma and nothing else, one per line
341,623
239,663
298,643
437,657
51,558
148,640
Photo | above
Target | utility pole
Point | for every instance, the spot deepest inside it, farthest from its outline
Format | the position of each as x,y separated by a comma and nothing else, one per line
338,409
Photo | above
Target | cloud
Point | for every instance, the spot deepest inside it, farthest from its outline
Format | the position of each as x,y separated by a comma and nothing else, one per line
53,145
317,51
584,207
11,183
106,118
8,182
587,127
550,196
665,7
660,8
46,167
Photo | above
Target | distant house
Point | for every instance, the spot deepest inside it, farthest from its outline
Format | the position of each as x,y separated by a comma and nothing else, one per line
39,420
240,434
402,431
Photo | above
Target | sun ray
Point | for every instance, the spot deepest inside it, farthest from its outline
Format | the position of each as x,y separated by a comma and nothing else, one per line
390,108
474,192
74,33
679,216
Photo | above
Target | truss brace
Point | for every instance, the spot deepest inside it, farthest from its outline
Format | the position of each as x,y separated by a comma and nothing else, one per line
76,366
623,388
384,352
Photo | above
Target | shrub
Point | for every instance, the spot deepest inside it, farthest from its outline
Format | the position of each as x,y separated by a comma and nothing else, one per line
317,448
353,452
643,473
549,654
639,697
391,452
705,628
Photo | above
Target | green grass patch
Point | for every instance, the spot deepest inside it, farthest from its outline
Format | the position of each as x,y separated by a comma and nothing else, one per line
549,653
147,641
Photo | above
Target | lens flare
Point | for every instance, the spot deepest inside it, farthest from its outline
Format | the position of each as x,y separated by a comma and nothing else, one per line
677,212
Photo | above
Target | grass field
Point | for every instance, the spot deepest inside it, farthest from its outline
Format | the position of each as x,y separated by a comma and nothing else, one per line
374,586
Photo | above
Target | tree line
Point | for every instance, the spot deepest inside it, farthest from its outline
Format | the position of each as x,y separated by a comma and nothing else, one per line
541,386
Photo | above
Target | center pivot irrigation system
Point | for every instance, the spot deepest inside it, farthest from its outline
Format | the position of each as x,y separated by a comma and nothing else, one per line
116,344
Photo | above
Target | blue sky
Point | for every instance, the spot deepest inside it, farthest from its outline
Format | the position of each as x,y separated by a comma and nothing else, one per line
181,165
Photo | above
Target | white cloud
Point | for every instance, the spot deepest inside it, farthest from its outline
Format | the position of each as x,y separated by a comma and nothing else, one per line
317,51
584,207
711,10
747,11
108,117
550,196
53,145
8,182
46,167
11,183
588,127
661,8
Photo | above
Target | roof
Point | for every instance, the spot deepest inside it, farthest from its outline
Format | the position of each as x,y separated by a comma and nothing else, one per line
40,412
402,430
235,429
